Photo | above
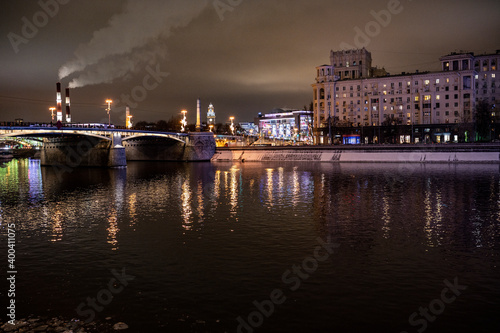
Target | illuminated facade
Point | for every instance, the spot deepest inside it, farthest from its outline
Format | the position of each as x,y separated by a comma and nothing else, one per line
286,124
349,92
211,115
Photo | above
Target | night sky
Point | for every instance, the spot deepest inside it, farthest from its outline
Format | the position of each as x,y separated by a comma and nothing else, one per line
243,56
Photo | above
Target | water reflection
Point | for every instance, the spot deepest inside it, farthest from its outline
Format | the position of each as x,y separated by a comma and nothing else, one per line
270,188
386,217
429,202
113,229
174,225
57,225
233,190
186,205
132,208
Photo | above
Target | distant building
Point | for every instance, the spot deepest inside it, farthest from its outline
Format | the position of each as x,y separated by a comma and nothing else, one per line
286,124
249,128
211,115
350,92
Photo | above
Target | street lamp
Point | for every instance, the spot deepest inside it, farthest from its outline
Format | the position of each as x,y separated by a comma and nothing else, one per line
108,101
52,109
211,126
232,125
183,121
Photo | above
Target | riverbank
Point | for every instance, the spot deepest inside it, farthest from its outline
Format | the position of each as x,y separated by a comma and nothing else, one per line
425,153
58,324
32,324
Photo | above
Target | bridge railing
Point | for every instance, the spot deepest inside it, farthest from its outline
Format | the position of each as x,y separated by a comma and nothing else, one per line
82,129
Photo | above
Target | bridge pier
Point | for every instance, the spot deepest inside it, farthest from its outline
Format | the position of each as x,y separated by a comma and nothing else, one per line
82,151
200,146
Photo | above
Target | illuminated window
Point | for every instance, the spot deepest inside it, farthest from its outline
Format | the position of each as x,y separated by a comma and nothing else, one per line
437,81
426,82
427,97
493,76
447,80
416,98
476,76
408,83
385,92
438,97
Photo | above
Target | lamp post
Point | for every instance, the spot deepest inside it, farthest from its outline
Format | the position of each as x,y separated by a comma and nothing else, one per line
108,101
232,125
183,121
52,109
211,126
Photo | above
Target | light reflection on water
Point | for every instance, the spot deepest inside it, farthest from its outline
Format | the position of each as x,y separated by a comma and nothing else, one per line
209,239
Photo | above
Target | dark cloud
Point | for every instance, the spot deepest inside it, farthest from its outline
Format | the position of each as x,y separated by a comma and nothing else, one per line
260,56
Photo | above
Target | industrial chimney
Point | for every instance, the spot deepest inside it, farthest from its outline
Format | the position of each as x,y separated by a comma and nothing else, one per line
68,113
198,116
59,101
128,118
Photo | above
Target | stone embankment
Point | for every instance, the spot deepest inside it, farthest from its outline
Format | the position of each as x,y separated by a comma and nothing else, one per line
452,153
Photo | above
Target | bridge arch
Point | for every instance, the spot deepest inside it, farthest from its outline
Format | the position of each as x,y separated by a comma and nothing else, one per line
145,135
41,134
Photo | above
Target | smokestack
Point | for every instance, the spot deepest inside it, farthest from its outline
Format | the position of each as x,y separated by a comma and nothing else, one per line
198,116
58,99
128,118
68,114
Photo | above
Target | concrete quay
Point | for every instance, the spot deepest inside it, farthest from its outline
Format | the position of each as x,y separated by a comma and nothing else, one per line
424,153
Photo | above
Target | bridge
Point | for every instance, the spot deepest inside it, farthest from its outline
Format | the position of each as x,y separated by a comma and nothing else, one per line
80,146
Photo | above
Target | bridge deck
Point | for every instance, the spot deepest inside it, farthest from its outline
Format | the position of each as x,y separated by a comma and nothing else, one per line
104,133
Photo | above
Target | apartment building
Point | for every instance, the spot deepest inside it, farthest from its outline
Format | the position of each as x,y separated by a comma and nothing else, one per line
352,93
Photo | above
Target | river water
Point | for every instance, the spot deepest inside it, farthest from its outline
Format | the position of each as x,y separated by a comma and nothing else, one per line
257,247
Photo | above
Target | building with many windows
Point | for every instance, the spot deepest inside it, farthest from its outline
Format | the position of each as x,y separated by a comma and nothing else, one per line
349,92
286,124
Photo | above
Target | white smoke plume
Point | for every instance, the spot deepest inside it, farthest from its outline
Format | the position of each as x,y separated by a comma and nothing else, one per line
133,37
